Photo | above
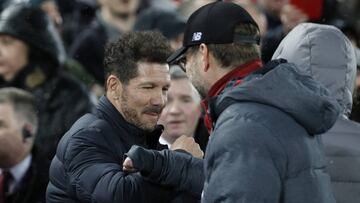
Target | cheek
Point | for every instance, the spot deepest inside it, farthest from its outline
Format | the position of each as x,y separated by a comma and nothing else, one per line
138,100
15,60
11,140
191,113
163,116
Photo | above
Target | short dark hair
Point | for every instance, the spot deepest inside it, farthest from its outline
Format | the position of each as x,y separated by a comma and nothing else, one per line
235,54
122,55
23,102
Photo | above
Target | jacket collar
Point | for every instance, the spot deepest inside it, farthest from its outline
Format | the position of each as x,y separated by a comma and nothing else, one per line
238,73
233,78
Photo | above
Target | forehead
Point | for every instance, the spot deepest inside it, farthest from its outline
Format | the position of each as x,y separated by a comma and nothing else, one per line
8,37
14,41
181,87
152,72
6,111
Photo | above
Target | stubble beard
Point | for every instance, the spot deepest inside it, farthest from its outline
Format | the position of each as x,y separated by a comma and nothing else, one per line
131,115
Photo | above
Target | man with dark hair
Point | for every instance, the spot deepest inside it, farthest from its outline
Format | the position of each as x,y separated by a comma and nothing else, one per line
264,121
20,180
88,164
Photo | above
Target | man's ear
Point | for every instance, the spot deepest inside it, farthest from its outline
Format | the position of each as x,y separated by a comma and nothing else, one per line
204,51
28,131
113,86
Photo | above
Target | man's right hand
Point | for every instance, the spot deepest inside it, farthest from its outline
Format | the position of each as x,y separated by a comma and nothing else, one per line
189,145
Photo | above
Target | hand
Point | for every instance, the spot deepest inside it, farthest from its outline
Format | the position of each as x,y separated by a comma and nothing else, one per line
128,166
188,144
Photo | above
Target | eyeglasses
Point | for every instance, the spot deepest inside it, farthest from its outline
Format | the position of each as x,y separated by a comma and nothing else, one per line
182,62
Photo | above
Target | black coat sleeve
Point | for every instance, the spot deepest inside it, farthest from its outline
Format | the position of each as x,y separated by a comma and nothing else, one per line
95,173
170,168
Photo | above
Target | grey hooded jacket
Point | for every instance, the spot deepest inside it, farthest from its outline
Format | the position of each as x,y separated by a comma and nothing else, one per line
264,146
325,53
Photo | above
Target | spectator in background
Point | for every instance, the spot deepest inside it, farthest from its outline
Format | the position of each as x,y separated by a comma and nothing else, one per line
31,57
88,164
20,180
272,10
258,14
168,22
326,54
182,113
283,18
113,18
77,15
290,15
50,7
186,8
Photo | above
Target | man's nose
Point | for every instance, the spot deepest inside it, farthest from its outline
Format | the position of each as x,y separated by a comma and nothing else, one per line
159,99
174,108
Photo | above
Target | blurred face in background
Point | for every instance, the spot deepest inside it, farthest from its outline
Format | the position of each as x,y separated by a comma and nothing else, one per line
121,6
120,13
13,56
273,6
13,148
182,111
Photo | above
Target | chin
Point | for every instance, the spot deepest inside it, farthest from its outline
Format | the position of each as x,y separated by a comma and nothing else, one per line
148,127
177,133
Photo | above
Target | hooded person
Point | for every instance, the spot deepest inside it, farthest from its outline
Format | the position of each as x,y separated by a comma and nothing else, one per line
31,56
326,54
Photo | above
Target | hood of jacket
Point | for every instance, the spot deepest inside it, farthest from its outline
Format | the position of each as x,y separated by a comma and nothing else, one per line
34,27
326,54
284,86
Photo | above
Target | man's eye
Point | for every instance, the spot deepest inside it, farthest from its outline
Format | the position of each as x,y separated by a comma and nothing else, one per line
147,87
166,89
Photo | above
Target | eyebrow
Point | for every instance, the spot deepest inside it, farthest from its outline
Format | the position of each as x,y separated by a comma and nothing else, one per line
152,83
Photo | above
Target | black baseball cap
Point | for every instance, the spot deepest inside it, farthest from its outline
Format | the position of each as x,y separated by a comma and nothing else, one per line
215,23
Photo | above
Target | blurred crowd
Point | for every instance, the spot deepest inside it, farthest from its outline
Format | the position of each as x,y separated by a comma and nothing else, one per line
80,22
55,49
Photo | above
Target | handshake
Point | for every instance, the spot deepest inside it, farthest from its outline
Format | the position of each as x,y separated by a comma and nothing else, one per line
183,143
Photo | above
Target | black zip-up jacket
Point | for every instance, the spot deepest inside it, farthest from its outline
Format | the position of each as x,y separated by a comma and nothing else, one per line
88,164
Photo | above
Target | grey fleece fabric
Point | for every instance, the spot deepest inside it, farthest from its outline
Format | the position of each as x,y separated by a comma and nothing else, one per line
264,147
327,55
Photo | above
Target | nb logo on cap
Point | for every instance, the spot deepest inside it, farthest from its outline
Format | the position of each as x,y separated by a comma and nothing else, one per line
196,36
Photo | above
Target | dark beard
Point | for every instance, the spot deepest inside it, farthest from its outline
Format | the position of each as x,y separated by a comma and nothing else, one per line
131,116
202,91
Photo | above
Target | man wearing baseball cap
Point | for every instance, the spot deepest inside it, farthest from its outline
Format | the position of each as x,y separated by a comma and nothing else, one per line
264,121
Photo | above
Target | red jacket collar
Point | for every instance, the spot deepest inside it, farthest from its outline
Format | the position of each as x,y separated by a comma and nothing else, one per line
239,72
